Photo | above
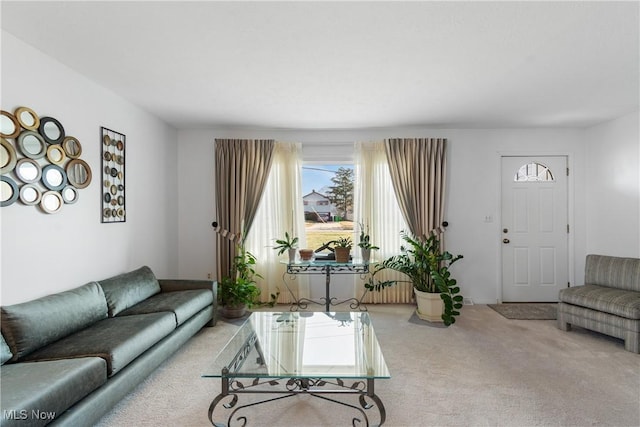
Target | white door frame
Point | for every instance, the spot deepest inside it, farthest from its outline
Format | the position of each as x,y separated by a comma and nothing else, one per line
498,210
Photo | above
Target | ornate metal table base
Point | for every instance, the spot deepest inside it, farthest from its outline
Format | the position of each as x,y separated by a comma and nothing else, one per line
326,268
290,387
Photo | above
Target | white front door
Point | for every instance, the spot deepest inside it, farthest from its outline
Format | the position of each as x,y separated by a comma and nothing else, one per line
535,228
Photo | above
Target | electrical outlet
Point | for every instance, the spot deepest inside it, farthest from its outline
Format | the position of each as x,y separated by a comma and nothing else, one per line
208,275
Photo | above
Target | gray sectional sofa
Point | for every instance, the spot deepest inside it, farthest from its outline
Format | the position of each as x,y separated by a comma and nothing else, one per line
68,358
608,302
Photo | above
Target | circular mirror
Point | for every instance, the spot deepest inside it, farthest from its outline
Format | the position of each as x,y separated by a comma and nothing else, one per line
114,189
107,156
32,145
120,187
121,213
27,118
120,145
8,191
7,156
79,173
54,177
114,202
69,194
30,194
113,172
107,183
9,126
56,154
107,213
107,197
121,200
72,147
120,160
51,130
28,171
106,139
51,202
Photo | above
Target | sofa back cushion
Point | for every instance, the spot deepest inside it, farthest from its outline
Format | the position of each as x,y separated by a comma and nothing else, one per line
613,272
5,351
34,324
128,289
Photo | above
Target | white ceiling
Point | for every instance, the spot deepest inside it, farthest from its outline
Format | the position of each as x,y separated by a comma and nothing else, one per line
337,65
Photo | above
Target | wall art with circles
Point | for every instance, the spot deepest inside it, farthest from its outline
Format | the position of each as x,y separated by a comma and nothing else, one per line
113,176
39,161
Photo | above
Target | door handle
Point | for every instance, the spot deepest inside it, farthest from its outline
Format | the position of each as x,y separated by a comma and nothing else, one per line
505,240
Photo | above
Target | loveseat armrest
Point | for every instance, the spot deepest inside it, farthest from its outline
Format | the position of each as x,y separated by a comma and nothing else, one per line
174,285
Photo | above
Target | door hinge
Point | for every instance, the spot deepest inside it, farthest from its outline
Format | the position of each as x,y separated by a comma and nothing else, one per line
567,171
567,228
568,285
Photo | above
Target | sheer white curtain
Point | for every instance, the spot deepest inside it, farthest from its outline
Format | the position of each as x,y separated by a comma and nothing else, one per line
280,210
376,205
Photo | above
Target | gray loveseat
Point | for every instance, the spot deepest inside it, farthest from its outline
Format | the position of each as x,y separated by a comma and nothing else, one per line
608,302
68,358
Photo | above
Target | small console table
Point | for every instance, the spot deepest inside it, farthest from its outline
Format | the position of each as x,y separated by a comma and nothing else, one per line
327,268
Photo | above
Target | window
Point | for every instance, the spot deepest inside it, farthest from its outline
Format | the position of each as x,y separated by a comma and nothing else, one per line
533,172
328,203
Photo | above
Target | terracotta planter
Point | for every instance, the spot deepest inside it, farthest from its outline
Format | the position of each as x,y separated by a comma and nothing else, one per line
342,254
430,306
306,254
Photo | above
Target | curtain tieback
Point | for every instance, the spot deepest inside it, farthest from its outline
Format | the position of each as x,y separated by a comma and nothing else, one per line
226,233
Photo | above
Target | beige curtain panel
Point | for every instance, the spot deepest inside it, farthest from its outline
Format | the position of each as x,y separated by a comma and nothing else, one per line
418,173
242,169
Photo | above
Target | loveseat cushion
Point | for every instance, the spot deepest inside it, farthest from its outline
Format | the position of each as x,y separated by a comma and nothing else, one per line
5,351
613,272
34,324
118,340
619,302
184,304
34,392
128,289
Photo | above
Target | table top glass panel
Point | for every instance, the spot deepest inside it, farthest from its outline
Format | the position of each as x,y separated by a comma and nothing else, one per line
302,345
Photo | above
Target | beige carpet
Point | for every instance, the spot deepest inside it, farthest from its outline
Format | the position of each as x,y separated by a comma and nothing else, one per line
485,370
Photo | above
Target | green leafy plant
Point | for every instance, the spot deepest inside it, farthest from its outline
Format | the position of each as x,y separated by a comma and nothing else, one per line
427,268
365,240
283,245
240,287
343,242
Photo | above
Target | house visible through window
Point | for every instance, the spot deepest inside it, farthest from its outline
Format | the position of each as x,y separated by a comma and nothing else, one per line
328,203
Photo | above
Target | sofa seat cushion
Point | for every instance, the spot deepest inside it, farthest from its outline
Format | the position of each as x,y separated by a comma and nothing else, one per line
128,289
5,351
184,304
35,324
614,301
33,392
118,340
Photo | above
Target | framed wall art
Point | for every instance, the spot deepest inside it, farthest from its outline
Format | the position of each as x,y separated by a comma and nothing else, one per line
113,176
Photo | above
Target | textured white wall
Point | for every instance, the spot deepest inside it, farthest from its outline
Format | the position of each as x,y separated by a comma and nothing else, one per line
613,187
43,254
474,192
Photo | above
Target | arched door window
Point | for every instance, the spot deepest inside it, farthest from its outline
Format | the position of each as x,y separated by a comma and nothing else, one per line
533,172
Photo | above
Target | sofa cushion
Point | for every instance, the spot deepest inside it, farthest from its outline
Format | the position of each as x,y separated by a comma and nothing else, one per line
619,302
47,388
128,289
184,304
613,272
34,324
5,351
118,340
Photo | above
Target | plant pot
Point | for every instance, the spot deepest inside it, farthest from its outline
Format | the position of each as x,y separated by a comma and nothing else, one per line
342,254
306,254
430,306
233,311
366,254
292,255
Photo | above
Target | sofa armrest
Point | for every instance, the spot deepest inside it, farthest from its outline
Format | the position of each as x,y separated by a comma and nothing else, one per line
174,285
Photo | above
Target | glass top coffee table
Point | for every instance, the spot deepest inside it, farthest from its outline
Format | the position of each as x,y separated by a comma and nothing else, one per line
329,355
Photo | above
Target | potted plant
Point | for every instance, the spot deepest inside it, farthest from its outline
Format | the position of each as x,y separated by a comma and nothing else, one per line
290,244
342,249
239,291
427,268
364,242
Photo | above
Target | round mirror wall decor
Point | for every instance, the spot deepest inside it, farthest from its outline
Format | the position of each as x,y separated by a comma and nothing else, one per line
113,176
39,163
